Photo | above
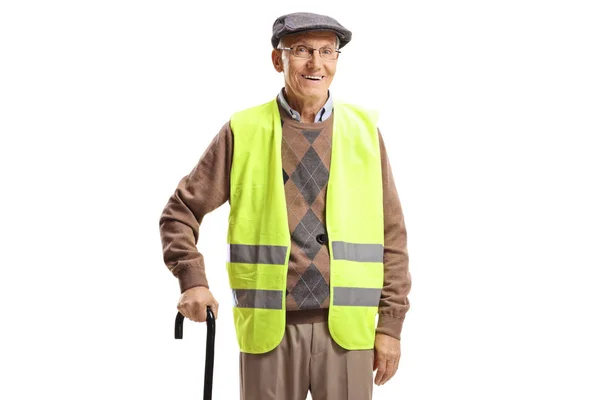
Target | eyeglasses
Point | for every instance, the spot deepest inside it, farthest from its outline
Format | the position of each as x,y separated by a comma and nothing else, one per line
326,53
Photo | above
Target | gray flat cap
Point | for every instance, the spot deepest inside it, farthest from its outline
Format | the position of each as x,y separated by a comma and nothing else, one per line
302,22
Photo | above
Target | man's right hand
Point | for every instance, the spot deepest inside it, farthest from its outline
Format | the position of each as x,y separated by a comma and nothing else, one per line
193,302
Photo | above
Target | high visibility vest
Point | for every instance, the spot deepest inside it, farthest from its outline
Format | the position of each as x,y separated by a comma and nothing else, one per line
259,241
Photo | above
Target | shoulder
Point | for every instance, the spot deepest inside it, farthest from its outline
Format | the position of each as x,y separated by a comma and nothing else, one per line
255,118
344,107
252,112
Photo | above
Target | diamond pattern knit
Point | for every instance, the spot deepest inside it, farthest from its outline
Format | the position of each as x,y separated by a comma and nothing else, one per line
305,152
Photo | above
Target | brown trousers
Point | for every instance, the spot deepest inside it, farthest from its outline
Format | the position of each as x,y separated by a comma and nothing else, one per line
307,359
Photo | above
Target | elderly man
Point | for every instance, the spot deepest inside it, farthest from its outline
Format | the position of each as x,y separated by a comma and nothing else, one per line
316,240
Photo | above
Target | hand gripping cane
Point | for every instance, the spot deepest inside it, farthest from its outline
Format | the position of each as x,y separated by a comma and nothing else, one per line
210,348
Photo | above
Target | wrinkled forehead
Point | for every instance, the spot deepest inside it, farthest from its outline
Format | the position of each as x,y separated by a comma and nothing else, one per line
322,38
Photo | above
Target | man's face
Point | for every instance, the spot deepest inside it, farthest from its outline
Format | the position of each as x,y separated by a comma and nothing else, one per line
299,73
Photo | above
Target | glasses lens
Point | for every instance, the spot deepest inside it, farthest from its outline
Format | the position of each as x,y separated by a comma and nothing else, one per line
301,51
328,53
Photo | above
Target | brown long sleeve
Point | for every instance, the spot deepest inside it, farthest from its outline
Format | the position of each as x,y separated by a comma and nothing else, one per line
203,190
394,302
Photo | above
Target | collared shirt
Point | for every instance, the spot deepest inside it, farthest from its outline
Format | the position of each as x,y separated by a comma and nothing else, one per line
322,115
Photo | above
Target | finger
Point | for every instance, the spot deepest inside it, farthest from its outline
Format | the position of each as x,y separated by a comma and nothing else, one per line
381,366
389,371
190,311
187,311
214,306
181,310
201,312
395,366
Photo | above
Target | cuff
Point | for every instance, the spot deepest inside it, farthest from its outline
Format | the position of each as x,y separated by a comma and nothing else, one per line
190,277
389,325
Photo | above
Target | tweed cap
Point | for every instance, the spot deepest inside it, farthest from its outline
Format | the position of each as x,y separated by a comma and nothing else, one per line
302,22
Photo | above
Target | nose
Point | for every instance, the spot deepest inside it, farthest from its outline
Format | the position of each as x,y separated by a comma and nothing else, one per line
315,59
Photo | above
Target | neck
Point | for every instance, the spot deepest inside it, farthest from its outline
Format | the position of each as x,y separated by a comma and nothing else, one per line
308,108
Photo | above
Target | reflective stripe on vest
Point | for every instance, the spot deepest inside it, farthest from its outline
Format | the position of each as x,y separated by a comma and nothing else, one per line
252,298
256,254
349,296
259,241
357,252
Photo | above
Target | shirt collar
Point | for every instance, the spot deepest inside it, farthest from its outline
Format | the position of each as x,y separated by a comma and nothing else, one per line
322,115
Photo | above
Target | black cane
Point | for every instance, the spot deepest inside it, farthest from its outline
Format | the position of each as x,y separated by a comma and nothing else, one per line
210,348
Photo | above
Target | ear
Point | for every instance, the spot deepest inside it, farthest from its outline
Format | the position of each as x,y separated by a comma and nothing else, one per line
277,61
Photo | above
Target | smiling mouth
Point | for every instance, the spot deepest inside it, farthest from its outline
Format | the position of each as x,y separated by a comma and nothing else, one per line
313,77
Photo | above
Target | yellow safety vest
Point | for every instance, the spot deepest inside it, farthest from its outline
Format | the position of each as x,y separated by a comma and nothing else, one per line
258,237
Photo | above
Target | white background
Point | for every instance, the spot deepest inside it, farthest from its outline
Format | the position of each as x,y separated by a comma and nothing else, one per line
489,110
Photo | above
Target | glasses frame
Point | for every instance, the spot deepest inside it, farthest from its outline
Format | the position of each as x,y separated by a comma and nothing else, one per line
311,51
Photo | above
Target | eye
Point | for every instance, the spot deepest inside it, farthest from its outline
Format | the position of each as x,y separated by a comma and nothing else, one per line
327,50
301,49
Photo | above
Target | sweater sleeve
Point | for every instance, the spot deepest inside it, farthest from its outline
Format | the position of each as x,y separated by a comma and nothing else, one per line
394,302
203,190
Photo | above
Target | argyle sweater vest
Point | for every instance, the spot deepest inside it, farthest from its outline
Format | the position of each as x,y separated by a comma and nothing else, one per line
306,155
